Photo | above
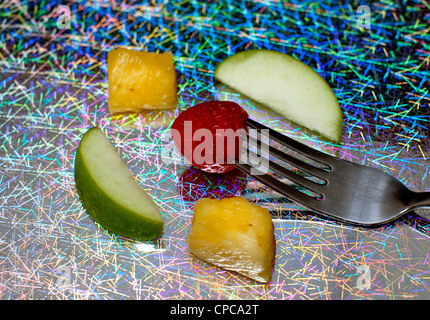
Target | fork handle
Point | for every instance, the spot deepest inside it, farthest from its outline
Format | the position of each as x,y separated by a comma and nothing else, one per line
420,199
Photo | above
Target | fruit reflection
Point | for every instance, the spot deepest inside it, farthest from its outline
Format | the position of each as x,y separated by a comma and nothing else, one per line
194,184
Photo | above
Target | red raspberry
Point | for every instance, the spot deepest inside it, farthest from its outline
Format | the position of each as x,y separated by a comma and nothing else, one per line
207,134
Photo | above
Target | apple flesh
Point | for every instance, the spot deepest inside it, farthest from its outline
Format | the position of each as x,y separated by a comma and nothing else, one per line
286,85
109,192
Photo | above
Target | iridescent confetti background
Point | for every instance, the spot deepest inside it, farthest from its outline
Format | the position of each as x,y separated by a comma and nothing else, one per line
53,87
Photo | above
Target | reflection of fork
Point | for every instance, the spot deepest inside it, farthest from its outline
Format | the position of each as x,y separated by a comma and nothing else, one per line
334,187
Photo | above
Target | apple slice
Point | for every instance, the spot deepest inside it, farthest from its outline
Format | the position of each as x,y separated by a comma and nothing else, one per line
109,192
287,86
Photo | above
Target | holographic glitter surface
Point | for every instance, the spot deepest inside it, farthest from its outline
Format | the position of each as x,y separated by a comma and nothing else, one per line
53,87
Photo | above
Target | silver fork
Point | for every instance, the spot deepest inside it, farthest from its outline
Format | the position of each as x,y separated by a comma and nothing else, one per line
336,188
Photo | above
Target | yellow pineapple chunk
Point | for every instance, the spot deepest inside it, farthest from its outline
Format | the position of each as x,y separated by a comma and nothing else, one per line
234,234
141,80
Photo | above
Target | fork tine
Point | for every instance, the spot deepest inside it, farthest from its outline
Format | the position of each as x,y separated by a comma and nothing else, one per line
293,177
282,188
309,152
299,164
295,162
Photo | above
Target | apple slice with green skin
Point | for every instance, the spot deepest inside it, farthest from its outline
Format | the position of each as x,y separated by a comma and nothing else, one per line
286,85
109,192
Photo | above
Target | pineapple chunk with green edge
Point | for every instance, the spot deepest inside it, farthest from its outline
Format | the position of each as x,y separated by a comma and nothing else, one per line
109,192
234,234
